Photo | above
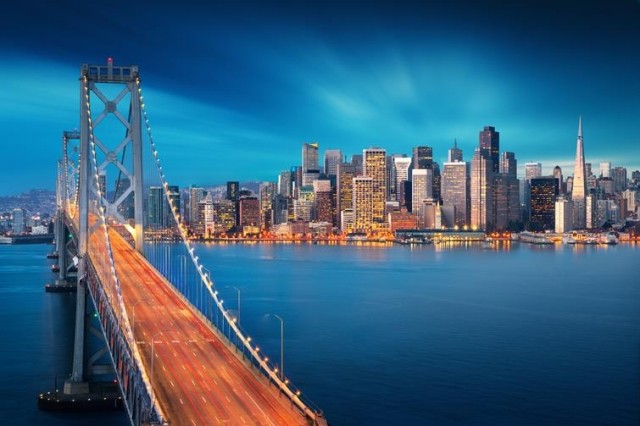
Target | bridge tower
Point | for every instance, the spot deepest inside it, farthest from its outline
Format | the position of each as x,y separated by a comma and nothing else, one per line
112,152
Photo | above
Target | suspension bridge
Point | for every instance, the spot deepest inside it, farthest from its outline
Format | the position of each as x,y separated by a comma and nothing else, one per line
179,355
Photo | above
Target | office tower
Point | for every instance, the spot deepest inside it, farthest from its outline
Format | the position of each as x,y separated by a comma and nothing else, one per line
332,157
605,169
422,157
356,160
375,166
455,153
284,183
249,212
196,195
324,200
508,164
233,190
590,211
605,185
205,208
632,200
455,191
224,215
437,182
619,176
267,192
532,170
363,203
155,207
579,188
557,173
347,220
544,190
506,201
310,167
422,189
344,188
401,173
563,215
18,222
407,194
481,192
490,145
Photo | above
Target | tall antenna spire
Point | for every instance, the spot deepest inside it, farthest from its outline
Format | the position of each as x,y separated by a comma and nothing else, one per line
580,127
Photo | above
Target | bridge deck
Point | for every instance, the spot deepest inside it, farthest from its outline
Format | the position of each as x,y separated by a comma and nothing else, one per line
196,378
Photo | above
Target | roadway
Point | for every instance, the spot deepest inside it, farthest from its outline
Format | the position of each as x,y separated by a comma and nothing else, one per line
197,379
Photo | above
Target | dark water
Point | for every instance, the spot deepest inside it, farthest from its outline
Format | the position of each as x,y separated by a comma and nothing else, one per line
391,335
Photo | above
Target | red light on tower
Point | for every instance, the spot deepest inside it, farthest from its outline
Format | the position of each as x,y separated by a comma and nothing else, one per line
109,60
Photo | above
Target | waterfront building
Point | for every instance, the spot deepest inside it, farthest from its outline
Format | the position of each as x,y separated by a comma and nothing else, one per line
363,203
402,219
401,165
563,215
506,201
375,167
579,187
196,195
455,192
18,222
481,191
490,145
455,153
432,217
544,190
344,188
590,211
324,200
347,220
280,209
267,193
422,189
310,167
159,216
531,170
206,210
249,212
224,215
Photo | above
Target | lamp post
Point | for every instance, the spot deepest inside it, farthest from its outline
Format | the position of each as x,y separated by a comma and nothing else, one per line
238,290
281,345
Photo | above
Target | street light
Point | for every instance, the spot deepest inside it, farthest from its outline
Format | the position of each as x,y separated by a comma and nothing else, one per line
238,290
281,345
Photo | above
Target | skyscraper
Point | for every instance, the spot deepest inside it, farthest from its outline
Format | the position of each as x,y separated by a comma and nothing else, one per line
455,191
401,171
332,157
233,190
422,189
18,222
564,215
344,188
605,169
508,164
422,157
490,144
579,188
544,190
374,165
196,195
363,202
455,153
481,190
557,173
310,169
267,193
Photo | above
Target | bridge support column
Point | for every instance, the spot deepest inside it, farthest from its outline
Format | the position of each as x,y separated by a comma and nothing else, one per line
61,247
76,384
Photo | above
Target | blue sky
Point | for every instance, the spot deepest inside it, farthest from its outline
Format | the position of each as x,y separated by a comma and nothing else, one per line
234,88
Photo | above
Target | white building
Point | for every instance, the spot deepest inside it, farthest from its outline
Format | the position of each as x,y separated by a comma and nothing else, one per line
564,215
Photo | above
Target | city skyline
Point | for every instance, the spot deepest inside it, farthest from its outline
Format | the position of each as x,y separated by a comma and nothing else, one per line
221,78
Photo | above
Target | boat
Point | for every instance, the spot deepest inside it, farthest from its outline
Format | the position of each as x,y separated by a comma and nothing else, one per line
53,255
55,268
609,239
568,239
356,236
533,238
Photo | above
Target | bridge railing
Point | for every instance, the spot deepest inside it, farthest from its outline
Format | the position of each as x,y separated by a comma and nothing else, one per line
174,256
